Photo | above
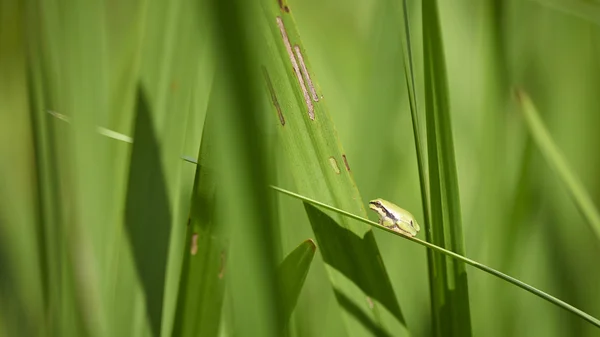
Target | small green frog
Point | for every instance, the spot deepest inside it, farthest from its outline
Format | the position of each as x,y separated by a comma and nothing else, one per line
394,217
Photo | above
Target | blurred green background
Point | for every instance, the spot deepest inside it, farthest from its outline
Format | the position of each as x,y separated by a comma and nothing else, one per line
73,202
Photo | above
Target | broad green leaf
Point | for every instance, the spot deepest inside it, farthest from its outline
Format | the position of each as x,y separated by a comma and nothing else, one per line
558,163
448,278
244,200
322,170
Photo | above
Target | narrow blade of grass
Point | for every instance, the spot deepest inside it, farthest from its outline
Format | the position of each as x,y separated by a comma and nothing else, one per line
450,294
558,163
322,170
409,75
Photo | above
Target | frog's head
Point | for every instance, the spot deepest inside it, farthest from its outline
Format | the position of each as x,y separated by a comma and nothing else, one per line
378,205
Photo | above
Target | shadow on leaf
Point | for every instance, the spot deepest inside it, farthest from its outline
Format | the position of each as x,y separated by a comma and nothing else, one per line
350,255
147,215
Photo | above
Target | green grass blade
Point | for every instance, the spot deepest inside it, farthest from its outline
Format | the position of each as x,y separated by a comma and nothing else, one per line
555,159
321,170
202,277
450,294
591,319
292,274
409,74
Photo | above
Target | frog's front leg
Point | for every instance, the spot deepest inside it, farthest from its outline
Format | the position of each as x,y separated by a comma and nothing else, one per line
387,222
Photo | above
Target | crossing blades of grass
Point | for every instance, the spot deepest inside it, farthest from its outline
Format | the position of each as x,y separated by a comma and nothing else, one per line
555,159
322,170
591,319
450,294
203,275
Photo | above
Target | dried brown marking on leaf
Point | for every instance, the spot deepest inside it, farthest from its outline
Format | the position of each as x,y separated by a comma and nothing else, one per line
283,6
370,302
306,74
334,164
288,48
273,96
346,162
194,245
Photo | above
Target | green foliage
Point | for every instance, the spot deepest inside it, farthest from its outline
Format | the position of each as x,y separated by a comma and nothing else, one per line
321,170
105,231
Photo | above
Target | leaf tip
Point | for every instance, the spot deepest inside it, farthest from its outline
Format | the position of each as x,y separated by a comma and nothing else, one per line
312,244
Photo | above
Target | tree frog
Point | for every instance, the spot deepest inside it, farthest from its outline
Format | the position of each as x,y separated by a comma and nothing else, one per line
394,217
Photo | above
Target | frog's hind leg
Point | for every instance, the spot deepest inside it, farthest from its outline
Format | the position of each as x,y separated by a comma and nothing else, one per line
397,228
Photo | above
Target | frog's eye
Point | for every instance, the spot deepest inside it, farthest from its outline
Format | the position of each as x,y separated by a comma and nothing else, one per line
411,223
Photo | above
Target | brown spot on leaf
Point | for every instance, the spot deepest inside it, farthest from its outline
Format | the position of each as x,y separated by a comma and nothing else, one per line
283,6
298,73
334,164
222,269
306,74
346,162
194,245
